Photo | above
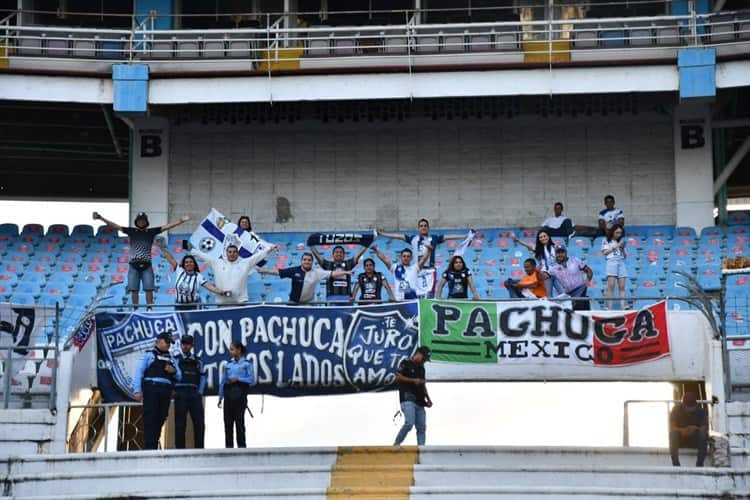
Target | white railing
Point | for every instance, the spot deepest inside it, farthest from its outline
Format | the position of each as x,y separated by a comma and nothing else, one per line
384,45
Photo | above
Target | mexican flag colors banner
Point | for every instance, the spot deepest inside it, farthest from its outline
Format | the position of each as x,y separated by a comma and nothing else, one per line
540,331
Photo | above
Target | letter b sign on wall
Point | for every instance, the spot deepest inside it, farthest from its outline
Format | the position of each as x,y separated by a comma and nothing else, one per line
150,144
692,136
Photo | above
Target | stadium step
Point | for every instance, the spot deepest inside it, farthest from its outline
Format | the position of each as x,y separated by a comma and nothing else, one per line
387,473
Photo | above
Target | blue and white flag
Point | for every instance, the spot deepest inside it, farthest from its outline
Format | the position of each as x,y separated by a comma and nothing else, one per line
216,232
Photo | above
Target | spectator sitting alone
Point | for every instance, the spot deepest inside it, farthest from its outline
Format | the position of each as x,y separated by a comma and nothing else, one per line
531,286
688,426
610,216
559,225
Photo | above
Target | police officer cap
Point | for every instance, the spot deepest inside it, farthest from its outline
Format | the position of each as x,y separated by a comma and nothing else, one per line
425,352
187,339
165,336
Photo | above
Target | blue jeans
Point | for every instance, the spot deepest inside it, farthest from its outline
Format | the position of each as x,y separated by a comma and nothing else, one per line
413,415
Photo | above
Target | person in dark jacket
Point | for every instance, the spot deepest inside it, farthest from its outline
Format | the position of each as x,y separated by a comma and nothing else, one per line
188,395
688,427
153,380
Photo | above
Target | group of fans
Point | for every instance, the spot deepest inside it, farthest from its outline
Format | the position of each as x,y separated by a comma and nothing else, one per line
413,276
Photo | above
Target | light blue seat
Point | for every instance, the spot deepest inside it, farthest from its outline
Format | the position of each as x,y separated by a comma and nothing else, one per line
34,277
685,232
709,279
82,230
62,277
738,218
50,300
33,228
21,298
9,229
60,229
59,288
29,288
80,301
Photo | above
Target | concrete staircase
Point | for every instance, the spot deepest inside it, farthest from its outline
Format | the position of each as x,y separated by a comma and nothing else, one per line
386,473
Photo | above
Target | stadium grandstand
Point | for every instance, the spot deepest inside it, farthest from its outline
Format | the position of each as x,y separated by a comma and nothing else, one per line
443,127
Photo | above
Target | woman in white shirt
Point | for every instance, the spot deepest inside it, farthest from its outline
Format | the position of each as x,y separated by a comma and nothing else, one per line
187,280
613,249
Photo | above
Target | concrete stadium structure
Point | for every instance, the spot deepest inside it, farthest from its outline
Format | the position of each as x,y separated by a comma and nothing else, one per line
480,123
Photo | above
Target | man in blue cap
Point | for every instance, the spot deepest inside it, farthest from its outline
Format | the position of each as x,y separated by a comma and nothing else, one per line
188,394
154,377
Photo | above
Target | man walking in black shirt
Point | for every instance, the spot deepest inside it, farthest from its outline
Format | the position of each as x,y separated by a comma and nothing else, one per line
412,393
688,426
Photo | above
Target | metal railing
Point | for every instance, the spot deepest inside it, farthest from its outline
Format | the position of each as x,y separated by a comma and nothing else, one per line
92,430
41,368
668,404
404,45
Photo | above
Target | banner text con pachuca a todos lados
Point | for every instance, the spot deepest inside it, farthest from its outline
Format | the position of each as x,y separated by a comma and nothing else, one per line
295,350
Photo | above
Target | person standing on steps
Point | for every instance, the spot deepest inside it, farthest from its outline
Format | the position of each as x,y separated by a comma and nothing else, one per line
413,396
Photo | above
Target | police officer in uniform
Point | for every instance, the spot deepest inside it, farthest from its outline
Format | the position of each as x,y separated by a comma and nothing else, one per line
154,377
188,395
237,376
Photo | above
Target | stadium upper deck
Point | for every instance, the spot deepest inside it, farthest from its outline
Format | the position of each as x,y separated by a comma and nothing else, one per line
397,36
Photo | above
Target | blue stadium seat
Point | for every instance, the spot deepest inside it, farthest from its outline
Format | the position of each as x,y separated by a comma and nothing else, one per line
28,288
73,249
9,229
672,290
13,268
82,230
34,277
579,242
708,259
33,229
738,285
680,264
5,291
69,263
84,288
666,232
737,321
59,229
106,230
738,218
62,277
57,287
685,232
50,300
709,278
25,299
737,250
712,232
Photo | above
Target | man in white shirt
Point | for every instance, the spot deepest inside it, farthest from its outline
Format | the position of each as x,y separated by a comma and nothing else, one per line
559,225
231,273
610,215
405,273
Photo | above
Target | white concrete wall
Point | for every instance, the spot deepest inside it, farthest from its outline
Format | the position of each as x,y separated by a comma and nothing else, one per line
458,173
150,161
738,413
693,164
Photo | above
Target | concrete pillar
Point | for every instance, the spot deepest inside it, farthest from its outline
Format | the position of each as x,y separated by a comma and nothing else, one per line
693,165
25,19
149,168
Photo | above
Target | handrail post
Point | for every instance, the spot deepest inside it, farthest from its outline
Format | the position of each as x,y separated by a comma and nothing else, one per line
693,22
56,369
106,428
8,375
625,425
